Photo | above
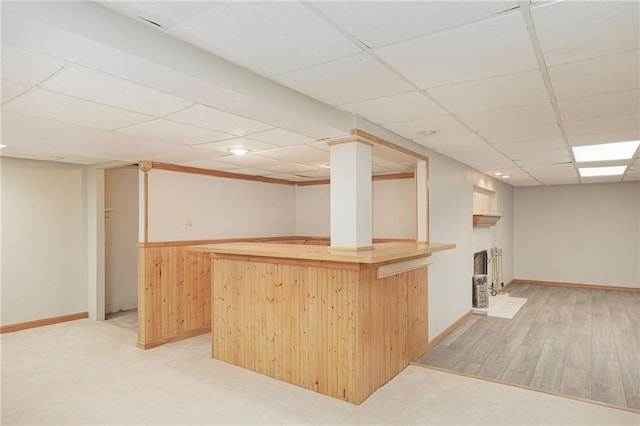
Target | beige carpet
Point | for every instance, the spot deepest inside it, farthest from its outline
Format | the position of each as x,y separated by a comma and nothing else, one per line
86,372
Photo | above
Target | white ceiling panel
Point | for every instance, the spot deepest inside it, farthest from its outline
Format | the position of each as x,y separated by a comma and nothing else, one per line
539,162
600,125
444,126
559,180
492,93
53,106
480,151
610,73
250,144
25,67
11,89
605,137
29,154
214,119
164,13
82,159
281,137
298,154
290,168
534,149
600,106
450,141
318,174
510,117
524,180
251,171
574,30
249,160
348,80
556,170
396,108
208,164
267,37
170,131
525,132
112,91
377,23
289,177
486,49
390,165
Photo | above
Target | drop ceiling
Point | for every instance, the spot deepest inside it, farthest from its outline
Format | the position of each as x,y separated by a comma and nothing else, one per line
501,86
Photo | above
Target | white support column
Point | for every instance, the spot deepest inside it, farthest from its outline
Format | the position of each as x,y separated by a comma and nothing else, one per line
351,199
422,201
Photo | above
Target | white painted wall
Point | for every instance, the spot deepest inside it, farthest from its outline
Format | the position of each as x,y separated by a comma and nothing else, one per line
584,234
121,237
217,207
43,240
393,209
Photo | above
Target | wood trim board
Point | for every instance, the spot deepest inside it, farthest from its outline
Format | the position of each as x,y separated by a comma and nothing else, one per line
574,285
10,328
449,329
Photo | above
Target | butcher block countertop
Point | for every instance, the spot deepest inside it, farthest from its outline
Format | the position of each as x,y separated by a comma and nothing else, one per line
381,252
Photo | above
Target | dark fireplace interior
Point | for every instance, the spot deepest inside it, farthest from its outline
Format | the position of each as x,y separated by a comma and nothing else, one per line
480,262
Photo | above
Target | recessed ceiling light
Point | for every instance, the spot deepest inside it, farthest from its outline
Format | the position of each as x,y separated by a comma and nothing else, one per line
428,132
238,150
605,152
505,176
601,171
2,146
498,173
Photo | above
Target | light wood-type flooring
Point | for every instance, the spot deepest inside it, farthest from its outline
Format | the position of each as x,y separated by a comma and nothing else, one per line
575,341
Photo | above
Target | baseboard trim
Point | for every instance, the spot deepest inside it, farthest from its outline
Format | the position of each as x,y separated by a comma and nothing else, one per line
574,285
42,322
179,337
448,330
515,385
509,284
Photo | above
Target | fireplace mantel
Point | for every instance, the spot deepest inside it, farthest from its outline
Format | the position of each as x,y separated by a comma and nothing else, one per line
484,220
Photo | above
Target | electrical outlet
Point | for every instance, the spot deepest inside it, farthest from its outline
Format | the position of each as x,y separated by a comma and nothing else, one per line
188,224
595,274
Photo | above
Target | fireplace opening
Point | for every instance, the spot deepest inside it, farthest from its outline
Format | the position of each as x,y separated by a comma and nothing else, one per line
480,263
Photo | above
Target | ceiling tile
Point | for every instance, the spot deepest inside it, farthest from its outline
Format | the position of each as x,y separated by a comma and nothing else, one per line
556,170
290,177
322,144
534,149
524,180
444,126
28,154
249,160
318,174
521,133
556,180
281,137
108,90
298,154
396,108
539,162
290,168
250,171
170,131
45,104
250,144
348,80
214,119
454,140
208,164
605,137
600,125
267,37
390,165
25,67
11,89
486,49
510,117
471,151
492,93
164,13
82,159
611,73
600,106
376,23
574,30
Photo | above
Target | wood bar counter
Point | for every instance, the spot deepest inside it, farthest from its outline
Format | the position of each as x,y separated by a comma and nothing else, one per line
339,323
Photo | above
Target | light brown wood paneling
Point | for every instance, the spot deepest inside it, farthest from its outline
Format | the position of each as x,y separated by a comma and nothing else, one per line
291,322
173,294
340,332
42,322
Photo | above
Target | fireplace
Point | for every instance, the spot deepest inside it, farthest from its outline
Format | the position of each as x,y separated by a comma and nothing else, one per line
480,279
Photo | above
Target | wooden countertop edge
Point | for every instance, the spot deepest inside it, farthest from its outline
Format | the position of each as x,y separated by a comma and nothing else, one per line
383,252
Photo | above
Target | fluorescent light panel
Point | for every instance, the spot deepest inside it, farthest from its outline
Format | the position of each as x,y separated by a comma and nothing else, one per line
601,171
605,152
